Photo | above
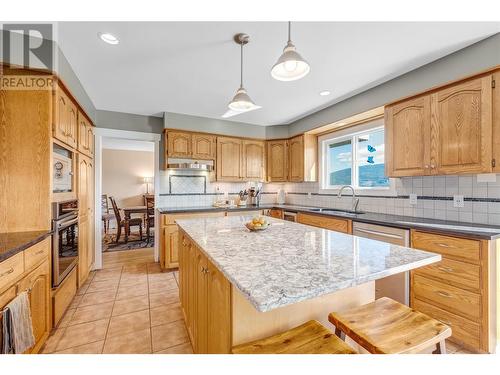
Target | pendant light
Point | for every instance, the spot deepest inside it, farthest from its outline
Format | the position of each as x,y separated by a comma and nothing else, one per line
241,101
290,66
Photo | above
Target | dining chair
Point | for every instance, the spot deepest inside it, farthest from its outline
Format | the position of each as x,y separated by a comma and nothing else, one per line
125,223
106,215
150,215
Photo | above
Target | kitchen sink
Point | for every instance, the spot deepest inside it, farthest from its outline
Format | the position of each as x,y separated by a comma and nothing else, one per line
338,212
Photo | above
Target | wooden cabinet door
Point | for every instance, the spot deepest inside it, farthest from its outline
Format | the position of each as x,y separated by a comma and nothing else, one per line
253,160
203,146
85,200
229,159
90,140
219,312
277,161
37,283
61,116
83,250
296,159
496,123
82,134
461,128
179,144
191,291
201,330
72,125
407,138
171,246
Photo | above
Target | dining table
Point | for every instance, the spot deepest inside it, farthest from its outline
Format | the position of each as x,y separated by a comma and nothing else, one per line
128,211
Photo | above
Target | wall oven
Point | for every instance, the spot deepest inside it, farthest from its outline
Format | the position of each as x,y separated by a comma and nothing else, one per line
64,239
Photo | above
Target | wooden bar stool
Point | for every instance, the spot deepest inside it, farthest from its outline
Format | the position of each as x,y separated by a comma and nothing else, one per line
387,326
308,338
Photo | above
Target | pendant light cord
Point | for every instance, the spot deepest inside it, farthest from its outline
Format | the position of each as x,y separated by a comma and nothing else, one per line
289,31
241,66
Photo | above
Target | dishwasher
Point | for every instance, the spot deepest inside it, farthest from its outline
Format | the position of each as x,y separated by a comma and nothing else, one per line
397,286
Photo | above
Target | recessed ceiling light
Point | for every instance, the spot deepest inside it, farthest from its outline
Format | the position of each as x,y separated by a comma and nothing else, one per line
108,38
324,93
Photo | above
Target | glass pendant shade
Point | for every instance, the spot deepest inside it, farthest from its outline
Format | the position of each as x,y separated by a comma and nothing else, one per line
241,101
290,66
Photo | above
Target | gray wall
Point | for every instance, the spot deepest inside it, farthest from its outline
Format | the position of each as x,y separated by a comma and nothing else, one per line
128,121
467,61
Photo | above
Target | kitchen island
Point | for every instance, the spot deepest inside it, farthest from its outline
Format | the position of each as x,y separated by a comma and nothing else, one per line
237,286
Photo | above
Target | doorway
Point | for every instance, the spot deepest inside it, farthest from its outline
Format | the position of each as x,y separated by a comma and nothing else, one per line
126,174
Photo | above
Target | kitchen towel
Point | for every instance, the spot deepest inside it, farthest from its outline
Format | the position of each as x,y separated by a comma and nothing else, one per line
17,326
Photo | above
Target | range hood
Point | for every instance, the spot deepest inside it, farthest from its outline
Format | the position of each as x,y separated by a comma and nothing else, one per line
191,165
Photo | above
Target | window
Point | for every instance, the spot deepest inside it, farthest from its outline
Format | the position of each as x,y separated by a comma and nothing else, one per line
355,158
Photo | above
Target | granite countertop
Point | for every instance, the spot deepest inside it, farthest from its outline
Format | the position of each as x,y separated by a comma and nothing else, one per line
291,262
13,243
473,230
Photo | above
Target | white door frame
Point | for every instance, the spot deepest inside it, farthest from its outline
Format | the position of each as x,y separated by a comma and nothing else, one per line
100,133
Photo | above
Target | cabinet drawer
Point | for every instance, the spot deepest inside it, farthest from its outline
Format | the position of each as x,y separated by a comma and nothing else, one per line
463,330
171,218
338,225
453,247
36,254
11,269
447,297
460,274
63,297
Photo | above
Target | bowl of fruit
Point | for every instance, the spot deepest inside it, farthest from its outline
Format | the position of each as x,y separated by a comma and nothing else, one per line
257,223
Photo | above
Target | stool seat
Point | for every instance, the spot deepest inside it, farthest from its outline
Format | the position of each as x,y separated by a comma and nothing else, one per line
387,326
308,338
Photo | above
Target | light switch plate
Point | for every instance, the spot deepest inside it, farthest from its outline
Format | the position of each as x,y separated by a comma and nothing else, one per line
413,199
458,201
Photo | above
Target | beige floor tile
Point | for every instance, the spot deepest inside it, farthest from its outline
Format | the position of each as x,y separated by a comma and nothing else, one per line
64,322
99,286
159,287
178,349
166,314
131,292
126,306
168,335
97,298
138,342
76,301
83,289
123,324
52,341
83,334
159,277
134,281
165,298
104,275
84,314
92,348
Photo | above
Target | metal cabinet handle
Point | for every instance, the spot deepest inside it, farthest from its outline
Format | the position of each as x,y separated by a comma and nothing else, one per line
39,252
7,272
445,322
443,294
443,245
426,166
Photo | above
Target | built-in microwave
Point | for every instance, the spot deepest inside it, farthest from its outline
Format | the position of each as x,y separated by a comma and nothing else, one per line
62,169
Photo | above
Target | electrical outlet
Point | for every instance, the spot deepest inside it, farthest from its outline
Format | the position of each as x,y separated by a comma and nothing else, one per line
309,195
458,201
413,199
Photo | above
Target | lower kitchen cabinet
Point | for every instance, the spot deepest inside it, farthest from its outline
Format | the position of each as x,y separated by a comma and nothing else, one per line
458,289
34,279
325,222
206,301
275,212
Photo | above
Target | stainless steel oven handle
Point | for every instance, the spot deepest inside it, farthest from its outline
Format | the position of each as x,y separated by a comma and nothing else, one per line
381,234
66,224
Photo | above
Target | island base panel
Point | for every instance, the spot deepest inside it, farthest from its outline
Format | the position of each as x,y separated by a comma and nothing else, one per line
250,324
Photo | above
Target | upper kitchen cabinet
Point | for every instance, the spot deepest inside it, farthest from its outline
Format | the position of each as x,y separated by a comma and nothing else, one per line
204,146
65,119
85,135
253,160
179,144
461,128
407,138
229,159
277,160
496,123
303,157
448,130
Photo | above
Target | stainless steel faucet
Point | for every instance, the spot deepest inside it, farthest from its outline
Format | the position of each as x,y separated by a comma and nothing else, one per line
355,201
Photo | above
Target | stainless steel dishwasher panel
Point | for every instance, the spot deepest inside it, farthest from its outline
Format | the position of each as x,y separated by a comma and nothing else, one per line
397,286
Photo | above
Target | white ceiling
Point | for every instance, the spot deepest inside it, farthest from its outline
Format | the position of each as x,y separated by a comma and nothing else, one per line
193,67
109,143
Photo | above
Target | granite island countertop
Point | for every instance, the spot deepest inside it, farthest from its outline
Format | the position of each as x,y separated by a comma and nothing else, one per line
14,242
291,262
471,230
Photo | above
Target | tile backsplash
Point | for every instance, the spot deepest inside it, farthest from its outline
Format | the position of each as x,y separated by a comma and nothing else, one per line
435,196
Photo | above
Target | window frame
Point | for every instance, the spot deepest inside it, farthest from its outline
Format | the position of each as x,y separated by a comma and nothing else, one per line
350,133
